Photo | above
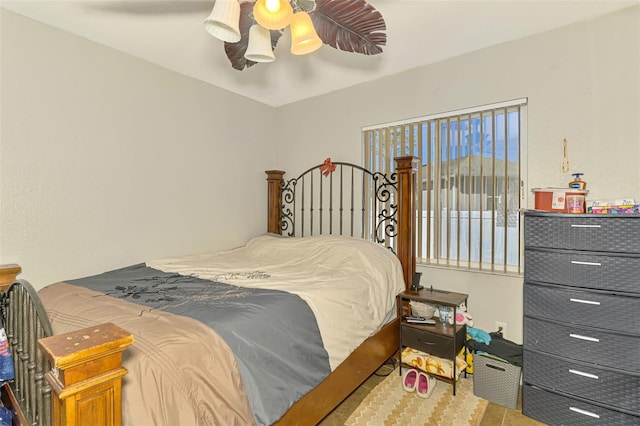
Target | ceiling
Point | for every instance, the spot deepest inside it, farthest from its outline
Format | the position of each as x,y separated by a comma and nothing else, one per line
419,32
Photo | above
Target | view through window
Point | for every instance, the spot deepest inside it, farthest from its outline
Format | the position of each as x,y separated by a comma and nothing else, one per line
470,182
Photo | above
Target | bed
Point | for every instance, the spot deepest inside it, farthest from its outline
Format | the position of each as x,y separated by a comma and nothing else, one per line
278,331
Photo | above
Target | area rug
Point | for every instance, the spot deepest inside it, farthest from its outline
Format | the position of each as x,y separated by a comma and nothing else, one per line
389,404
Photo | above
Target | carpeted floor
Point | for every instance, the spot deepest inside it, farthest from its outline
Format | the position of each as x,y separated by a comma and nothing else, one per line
389,404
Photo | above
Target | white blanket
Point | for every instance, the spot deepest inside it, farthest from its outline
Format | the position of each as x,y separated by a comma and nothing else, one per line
350,284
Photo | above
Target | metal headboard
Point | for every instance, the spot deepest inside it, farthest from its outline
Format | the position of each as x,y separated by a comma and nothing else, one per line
341,199
26,321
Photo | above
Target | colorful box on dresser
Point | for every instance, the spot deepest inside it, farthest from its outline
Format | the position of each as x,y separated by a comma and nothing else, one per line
619,209
581,324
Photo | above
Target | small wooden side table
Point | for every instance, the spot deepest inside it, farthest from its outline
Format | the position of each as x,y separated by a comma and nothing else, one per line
87,375
440,339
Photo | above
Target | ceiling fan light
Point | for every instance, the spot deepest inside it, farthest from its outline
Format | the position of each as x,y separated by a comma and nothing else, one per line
272,20
304,38
224,21
259,48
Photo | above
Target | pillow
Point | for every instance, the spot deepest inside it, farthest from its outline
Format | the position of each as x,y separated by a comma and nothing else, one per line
431,364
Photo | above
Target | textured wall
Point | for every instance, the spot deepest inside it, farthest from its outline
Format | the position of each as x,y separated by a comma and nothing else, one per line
583,84
107,160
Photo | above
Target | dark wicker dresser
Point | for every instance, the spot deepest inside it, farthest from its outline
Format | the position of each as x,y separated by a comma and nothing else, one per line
581,319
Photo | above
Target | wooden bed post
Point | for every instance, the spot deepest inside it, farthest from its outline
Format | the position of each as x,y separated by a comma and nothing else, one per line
86,378
8,275
274,179
406,168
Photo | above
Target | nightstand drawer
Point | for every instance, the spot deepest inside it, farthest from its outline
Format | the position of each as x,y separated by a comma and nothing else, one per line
431,343
611,387
555,409
583,232
583,344
595,309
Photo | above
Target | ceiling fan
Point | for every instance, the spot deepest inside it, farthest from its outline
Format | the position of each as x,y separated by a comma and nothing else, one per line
347,25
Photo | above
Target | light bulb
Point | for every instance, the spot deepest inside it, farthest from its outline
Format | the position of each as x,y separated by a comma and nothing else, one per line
271,19
272,5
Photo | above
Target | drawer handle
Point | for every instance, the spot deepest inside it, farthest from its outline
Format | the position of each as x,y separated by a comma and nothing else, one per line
577,262
582,373
581,337
588,302
585,226
426,343
585,412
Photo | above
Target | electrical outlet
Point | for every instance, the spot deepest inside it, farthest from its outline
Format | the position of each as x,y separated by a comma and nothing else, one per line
502,326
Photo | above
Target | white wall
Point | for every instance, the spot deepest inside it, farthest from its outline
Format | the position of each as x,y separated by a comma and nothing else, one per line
583,84
107,160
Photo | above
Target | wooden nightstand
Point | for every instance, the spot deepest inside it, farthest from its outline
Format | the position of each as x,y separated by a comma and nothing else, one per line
442,340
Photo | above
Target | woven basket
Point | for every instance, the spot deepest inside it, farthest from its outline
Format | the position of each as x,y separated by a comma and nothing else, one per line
422,309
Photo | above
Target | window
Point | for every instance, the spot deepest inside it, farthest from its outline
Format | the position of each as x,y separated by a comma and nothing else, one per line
470,182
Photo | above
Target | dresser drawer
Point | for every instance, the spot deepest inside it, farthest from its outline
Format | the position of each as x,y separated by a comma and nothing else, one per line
594,309
583,232
431,343
583,269
583,344
554,409
610,387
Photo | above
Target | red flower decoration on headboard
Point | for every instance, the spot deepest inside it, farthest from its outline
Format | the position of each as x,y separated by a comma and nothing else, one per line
327,167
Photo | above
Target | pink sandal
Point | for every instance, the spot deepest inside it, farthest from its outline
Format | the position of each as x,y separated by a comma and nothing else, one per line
425,385
410,380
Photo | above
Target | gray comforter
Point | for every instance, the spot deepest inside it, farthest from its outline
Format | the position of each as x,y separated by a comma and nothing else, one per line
272,334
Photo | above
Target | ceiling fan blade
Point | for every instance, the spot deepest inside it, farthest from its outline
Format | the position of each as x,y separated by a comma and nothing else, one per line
350,25
306,5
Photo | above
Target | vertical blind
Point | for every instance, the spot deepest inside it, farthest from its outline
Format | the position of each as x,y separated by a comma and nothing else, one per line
469,182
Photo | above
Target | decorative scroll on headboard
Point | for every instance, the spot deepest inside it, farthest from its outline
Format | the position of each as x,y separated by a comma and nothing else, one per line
341,198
